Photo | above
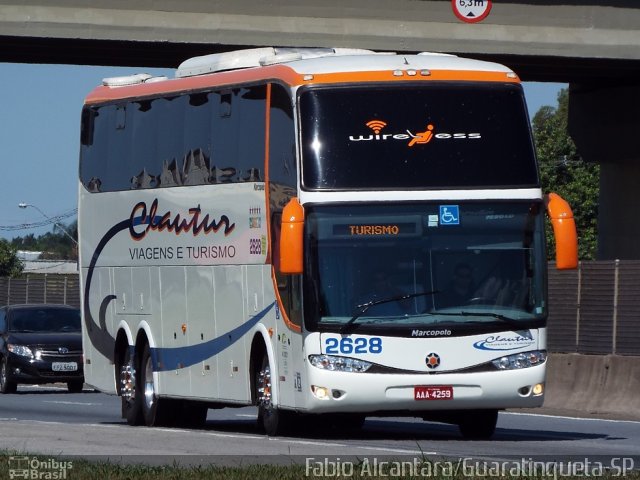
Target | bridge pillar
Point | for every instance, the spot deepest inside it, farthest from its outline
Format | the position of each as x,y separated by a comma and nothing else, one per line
604,122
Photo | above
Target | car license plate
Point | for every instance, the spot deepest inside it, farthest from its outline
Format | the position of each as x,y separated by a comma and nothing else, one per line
64,366
438,392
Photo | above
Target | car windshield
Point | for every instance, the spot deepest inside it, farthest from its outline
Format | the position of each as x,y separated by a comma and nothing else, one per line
429,264
45,320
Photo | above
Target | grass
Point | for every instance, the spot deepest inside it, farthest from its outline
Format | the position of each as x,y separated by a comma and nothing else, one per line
64,468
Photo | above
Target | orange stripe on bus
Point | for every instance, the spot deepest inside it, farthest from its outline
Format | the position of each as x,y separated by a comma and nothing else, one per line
287,75
435,75
187,84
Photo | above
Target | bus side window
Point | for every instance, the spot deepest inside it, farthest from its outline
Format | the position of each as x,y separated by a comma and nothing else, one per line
250,110
282,149
289,286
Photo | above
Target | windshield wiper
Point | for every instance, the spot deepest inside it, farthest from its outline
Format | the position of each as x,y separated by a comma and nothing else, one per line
497,316
362,308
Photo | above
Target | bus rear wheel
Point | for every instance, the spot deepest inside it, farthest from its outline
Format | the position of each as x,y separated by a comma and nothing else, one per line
131,401
478,425
270,418
154,409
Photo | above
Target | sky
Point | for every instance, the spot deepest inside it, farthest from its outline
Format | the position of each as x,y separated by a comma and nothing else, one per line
40,137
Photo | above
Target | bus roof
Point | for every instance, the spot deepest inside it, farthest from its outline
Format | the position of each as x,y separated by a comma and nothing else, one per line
297,67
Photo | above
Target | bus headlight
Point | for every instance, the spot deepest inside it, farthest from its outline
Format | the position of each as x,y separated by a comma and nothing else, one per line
339,364
520,360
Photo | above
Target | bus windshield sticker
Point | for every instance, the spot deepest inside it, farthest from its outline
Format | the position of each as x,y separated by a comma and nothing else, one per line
417,138
449,215
433,221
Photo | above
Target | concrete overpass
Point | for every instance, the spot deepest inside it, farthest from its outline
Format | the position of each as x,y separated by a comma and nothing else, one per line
592,44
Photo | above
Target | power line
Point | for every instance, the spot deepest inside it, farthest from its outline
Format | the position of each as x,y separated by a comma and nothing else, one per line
42,223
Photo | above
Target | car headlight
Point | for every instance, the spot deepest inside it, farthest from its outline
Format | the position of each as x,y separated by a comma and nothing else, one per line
339,364
20,350
520,360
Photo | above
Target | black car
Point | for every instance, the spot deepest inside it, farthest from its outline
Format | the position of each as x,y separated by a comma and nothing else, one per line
40,343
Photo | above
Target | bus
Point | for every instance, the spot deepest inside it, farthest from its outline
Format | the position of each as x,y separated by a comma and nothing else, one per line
322,233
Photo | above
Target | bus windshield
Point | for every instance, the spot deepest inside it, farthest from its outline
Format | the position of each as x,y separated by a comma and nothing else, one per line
416,137
424,265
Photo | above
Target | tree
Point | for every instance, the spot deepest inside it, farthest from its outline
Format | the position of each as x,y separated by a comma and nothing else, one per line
10,264
563,171
54,245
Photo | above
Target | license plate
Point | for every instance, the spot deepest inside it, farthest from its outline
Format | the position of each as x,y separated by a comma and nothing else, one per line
64,366
440,392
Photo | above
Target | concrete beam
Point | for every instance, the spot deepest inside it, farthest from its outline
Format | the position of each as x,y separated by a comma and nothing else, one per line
604,124
603,30
602,120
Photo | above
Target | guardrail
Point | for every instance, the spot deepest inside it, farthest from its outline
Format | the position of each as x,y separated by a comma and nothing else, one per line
43,288
596,308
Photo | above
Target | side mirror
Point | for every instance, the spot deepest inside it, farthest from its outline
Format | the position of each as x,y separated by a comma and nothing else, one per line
291,238
564,231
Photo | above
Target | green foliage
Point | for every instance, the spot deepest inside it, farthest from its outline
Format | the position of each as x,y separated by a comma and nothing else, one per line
55,245
563,171
10,264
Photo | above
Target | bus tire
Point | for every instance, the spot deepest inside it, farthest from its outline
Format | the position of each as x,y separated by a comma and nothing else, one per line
154,409
132,402
271,419
478,425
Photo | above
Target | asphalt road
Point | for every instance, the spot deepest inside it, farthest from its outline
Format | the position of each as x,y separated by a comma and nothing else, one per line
48,420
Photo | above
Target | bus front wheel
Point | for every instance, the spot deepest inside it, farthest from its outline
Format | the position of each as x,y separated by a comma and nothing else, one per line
270,418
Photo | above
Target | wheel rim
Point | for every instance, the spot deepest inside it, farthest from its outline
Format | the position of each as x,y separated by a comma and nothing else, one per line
264,389
149,396
127,382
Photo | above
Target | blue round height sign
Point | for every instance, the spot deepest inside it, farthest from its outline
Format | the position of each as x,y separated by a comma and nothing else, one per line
471,11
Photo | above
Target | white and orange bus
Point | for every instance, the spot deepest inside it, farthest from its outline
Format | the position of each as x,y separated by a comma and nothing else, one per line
323,233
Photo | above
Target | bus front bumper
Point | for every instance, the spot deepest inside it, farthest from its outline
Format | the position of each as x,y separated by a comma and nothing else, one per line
333,391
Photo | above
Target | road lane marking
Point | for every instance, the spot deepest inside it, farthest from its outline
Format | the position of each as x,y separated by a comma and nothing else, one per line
569,418
64,402
306,442
397,450
42,387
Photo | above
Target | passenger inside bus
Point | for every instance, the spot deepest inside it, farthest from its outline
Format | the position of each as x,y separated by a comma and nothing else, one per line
502,288
461,289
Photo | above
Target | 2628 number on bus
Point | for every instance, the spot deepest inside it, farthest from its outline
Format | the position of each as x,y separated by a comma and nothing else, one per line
349,345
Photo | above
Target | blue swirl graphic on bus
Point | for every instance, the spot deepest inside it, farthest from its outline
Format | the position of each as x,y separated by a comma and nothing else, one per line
97,332
168,358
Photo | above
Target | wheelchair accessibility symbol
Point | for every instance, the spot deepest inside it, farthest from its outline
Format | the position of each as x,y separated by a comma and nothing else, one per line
449,215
